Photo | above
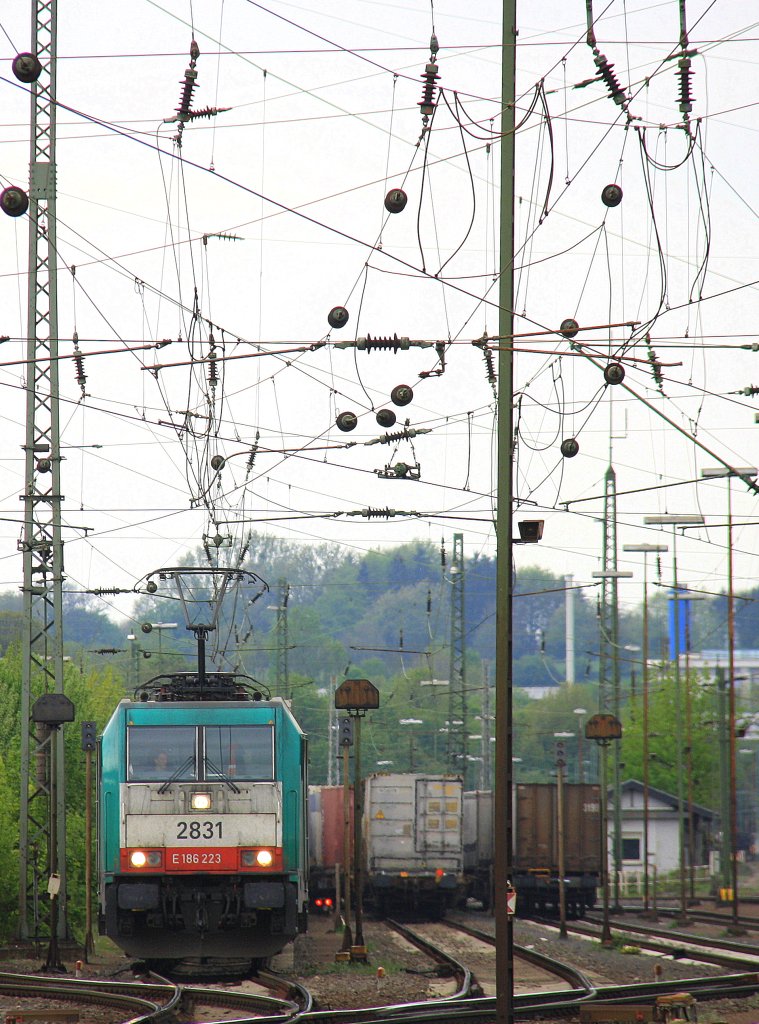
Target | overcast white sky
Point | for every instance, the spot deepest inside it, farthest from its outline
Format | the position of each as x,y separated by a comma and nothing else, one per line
324,119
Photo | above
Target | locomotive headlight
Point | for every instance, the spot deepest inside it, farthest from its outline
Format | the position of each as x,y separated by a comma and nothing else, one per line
138,859
200,801
264,858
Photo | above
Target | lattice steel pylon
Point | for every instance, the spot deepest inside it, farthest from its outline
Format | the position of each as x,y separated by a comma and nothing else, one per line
608,592
457,723
42,544
609,699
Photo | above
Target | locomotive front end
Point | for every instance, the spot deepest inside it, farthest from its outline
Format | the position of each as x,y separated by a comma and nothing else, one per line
202,829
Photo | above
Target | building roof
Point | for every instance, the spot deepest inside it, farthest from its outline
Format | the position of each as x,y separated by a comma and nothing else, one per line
633,785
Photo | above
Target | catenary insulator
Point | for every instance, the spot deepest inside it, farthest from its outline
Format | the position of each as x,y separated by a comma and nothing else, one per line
217,462
346,421
685,74
213,376
44,465
490,364
147,627
194,115
14,201
569,328
606,71
611,195
337,317
375,513
26,67
427,102
185,99
386,418
152,587
614,373
401,469
401,394
569,447
369,343
81,376
395,200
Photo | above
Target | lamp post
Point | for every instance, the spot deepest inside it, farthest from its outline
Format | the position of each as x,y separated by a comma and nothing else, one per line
613,642
744,473
645,550
674,521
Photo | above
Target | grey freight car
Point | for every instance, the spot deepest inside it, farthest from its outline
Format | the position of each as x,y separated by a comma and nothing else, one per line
536,846
412,833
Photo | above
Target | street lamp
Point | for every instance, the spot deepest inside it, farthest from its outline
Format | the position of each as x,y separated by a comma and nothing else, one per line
674,521
744,473
645,550
613,642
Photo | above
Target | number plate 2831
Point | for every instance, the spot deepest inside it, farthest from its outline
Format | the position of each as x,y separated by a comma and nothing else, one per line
192,831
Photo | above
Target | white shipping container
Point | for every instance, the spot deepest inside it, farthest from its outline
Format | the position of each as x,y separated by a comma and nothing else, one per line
413,823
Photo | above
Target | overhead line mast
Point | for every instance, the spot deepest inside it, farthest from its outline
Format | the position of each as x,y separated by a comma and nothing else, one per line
457,703
42,543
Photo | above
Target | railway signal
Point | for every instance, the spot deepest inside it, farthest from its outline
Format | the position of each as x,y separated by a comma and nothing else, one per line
345,734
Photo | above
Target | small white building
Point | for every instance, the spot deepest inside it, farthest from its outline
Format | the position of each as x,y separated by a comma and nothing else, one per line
663,832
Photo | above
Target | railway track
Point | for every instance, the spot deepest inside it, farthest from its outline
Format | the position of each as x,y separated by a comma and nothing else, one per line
667,941
548,968
158,999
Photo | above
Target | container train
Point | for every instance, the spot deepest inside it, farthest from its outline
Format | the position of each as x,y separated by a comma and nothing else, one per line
428,846
202,821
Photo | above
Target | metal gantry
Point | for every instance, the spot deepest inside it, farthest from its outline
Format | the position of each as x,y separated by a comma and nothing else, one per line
457,717
41,544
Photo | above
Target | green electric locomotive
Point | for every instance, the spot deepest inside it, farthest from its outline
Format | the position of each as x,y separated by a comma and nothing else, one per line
202,821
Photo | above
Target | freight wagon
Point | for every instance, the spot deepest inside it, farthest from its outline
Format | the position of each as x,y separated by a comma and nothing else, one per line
326,842
413,842
536,846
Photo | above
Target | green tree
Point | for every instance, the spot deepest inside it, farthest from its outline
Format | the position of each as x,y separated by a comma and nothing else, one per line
700,739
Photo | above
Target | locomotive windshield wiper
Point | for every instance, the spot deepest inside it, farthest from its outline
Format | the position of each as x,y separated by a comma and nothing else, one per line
188,761
208,763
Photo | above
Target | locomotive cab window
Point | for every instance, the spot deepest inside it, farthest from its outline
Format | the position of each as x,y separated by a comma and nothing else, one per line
238,752
159,753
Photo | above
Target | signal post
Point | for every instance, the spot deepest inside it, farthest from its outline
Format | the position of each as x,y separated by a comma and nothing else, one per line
356,696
